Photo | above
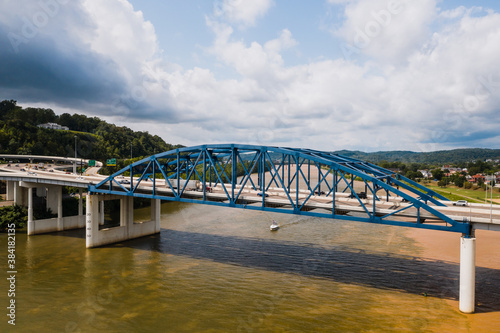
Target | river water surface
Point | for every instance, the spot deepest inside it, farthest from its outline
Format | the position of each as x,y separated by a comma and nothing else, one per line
215,269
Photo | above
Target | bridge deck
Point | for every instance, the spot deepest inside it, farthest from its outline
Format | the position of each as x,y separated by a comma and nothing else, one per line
480,216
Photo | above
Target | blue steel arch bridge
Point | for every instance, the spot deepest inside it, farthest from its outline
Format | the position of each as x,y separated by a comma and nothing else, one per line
285,180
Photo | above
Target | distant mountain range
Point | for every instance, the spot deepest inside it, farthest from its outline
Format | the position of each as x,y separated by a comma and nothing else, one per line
454,156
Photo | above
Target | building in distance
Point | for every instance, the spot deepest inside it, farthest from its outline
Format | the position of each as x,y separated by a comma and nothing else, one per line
54,126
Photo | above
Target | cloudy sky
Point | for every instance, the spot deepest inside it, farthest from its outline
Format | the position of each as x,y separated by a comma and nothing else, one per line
325,74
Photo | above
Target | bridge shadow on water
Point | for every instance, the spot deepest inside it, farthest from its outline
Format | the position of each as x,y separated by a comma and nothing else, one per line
340,264
410,274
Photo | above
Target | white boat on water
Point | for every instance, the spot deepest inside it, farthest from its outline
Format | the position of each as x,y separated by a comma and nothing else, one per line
274,226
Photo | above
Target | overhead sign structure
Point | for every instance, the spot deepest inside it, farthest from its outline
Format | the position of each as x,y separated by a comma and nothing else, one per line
111,162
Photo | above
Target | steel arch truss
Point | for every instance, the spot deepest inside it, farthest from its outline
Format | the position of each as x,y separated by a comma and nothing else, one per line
284,180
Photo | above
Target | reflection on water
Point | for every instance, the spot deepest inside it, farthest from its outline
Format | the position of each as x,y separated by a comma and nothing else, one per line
216,269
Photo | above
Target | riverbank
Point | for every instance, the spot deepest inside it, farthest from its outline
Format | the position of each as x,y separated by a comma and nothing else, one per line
440,245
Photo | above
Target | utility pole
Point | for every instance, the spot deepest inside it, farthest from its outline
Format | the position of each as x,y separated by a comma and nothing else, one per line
491,200
74,164
486,192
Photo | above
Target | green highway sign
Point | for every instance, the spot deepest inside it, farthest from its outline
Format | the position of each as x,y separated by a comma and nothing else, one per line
111,162
91,163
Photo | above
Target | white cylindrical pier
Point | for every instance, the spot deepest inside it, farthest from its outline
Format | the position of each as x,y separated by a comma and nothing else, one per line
31,222
91,221
467,274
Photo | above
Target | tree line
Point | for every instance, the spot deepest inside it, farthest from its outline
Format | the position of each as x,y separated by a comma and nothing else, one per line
443,176
454,156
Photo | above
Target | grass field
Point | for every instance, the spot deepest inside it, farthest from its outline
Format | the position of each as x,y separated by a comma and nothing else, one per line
456,193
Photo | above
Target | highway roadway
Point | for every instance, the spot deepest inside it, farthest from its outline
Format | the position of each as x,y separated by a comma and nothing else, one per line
481,216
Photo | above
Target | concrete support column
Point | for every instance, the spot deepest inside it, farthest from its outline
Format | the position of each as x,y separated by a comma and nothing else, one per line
31,222
156,213
80,202
127,215
9,196
81,217
53,198
128,218
19,197
123,211
60,225
92,221
101,211
17,194
467,274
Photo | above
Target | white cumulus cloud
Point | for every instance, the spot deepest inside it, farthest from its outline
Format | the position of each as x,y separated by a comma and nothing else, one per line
387,30
427,79
243,12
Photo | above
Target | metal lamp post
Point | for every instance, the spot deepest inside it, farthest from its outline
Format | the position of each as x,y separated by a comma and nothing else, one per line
74,164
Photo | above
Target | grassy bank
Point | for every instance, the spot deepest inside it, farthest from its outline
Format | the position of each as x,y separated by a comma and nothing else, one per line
457,193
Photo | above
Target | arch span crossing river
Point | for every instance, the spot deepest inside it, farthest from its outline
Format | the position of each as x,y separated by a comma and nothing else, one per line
294,181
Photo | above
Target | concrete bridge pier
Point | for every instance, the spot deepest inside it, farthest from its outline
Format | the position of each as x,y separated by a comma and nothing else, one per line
101,213
54,203
128,229
31,222
25,192
19,194
9,195
54,198
467,274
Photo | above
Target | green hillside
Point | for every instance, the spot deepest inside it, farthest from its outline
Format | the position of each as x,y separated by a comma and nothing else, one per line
95,138
455,156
